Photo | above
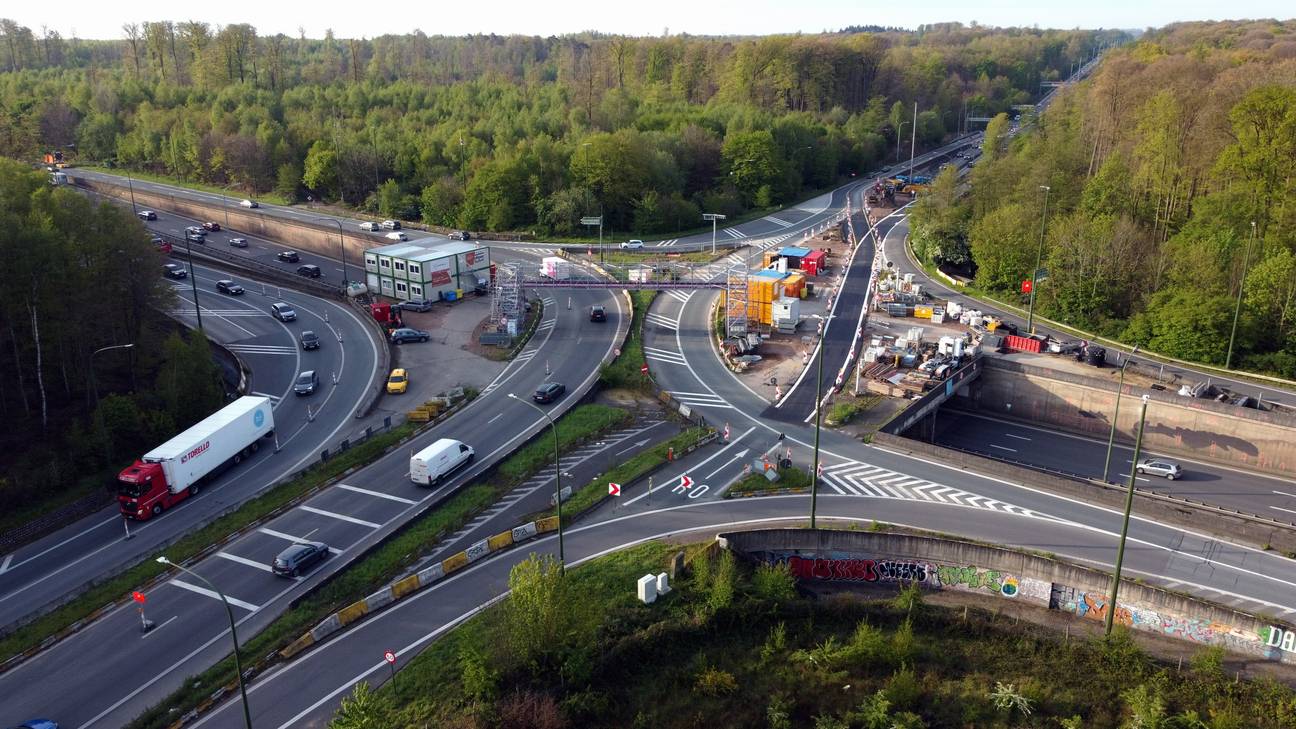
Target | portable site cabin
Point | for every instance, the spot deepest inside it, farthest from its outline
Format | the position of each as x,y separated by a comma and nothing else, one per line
432,271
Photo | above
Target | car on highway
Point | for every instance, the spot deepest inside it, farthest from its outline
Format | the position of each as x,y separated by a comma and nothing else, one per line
249,204
175,270
460,235
598,313
38,724
632,245
397,381
1160,467
370,225
238,242
408,334
420,305
282,311
307,383
212,225
195,234
226,286
391,225
397,235
146,215
548,392
288,256
161,244
309,270
309,340
298,558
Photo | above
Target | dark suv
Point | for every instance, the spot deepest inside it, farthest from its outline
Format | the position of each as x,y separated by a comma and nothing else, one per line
309,340
309,270
288,256
597,313
549,392
296,559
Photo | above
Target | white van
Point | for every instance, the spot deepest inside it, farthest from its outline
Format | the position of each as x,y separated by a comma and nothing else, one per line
438,460
397,235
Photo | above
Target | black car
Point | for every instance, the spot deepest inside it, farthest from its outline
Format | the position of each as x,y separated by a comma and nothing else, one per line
598,313
549,392
288,256
307,383
309,340
296,559
406,334
309,270
212,225
226,286
175,270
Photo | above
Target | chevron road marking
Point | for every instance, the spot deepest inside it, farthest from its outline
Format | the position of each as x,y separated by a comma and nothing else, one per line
664,355
853,478
662,321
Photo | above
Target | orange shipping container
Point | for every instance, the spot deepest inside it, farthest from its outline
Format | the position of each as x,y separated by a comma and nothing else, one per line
793,284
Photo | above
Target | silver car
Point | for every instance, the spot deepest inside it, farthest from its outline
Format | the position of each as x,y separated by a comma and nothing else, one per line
1160,467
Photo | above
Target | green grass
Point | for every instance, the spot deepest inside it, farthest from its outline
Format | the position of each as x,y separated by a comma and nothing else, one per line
234,194
789,479
391,559
630,471
624,371
734,645
31,635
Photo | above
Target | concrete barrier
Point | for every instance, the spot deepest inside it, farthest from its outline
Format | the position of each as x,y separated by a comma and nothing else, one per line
951,564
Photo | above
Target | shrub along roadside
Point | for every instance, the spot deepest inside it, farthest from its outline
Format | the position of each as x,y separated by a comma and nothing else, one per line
34,633
624,371
390,560
630,471
789,479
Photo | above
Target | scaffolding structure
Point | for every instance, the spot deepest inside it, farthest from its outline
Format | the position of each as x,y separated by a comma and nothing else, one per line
506,300
735,302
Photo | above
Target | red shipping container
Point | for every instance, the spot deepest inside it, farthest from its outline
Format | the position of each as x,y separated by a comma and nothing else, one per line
1023,344
815,263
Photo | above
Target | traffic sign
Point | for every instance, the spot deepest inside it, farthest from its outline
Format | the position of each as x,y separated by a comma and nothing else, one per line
1026,286
389,657
138,597
726,433
643,369
686,482
592,221
614,489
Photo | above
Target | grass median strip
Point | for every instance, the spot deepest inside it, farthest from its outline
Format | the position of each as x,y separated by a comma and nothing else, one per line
624,371
790,479
391,559
630,471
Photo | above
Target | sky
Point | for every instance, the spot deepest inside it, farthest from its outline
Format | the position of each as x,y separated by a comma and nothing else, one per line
348,18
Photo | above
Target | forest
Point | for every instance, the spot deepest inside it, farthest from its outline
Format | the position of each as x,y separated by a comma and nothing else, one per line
83,277
1171,200
516,133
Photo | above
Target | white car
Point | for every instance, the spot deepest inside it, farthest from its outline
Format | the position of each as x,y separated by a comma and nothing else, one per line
632,245
391,225
248,204
397,235
369,225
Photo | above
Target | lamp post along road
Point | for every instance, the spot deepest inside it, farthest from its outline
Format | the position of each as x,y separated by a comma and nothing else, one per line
193,281
814,473
1129,504
341,246
1246,261
1120,388
1039,255
713,217
913,142
94,380
899,132
562,562
238,664
130,185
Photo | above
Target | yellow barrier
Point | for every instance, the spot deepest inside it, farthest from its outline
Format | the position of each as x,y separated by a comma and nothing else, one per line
547,524
455,562
418,416
297,646
401,588
352,612
499,541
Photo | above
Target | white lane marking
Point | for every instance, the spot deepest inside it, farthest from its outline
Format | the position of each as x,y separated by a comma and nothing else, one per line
156,628
244,560
714,456
4,567
295,540
1283,493
1018,437
215,596
1002,448
1279,508
379,494
339,517
497,417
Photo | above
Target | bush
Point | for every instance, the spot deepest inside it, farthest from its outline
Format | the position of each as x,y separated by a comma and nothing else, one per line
774,582
714,682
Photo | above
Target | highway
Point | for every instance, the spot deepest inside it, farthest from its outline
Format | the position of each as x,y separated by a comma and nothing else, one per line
191,631
44,571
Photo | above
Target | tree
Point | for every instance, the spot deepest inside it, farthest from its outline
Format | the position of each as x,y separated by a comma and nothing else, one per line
543,614
752,161
1185,323
441,202
1003,244
363,709
320,169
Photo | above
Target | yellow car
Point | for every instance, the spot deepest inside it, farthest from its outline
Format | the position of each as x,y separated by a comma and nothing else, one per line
398,382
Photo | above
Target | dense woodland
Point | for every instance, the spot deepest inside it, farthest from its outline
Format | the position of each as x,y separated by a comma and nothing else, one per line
1173,178
80,277
524,133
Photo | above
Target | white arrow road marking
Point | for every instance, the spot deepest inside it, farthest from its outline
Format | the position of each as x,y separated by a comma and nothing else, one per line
731,460
636,444
4,567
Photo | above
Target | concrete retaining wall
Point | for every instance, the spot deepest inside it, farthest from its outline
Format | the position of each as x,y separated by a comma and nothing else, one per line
1201,429
854,556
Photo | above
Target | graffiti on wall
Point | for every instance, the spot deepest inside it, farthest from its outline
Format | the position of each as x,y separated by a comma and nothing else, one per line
969,578
1094,606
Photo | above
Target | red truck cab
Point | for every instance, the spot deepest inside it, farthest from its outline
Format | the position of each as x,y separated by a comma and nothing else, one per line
142,491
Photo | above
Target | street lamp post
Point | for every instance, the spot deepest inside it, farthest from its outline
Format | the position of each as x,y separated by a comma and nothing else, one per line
225,203
562,562
94,381
193,281
1039,255
130,185
341,246
1246,261
913,141
814,473
1120,388
713,217
899,131
1129,503
238,664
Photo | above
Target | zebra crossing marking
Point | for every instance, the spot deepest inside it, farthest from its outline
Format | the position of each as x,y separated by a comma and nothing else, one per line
853,478
666,243
261,349
662,321
664,355
679,295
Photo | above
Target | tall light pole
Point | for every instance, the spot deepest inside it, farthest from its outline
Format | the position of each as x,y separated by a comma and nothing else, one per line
130,185
899,131
225,203
1120,388
238,664
94,381
562,563
341,246
193,280
1039,255
814,473
913,142
1129,504
1246,261
713,217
